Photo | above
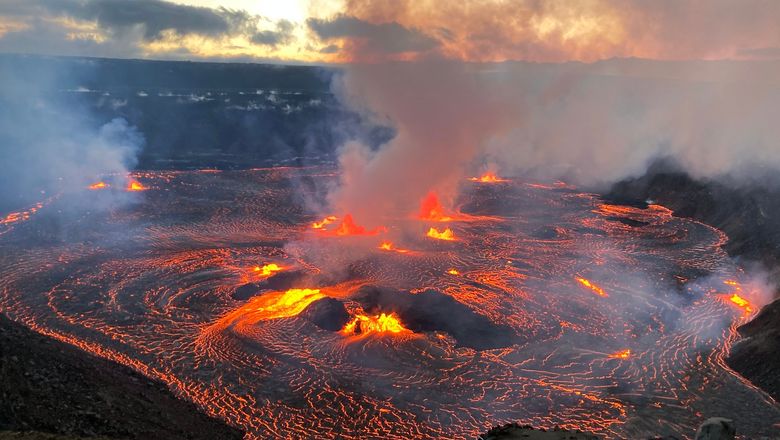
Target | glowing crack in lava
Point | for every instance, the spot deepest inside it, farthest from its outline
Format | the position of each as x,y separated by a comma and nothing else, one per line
624,354
324,222
596,289
155,287
363,324
98,185
453,272
389,246
446,234
488,177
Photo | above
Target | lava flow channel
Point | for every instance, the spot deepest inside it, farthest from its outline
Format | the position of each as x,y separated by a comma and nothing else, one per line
155,286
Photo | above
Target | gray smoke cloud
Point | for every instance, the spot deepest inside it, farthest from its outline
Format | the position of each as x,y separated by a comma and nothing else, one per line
52,143
590,124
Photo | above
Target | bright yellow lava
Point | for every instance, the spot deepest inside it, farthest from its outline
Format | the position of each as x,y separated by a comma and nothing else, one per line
383,323
741,302
446,234
267,270
624,354
324,222
596,289
488,178
135,186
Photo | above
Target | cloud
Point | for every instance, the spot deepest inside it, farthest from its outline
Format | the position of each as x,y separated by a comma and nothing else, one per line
587,30
138,28
331,48
282,35
370,38
153,16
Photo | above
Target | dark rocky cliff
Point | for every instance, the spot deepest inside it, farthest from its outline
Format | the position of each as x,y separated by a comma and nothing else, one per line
51,387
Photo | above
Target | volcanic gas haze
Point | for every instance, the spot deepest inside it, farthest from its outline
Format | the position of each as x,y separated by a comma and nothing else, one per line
588,124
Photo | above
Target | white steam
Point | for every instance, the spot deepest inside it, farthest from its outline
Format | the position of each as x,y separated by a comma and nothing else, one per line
589,124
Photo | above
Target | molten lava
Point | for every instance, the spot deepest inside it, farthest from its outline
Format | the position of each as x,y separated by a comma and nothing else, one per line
383,323
488,177
453,272
431,209
389,246
135,185
446,234
267,270
596,289
624,354
349,227
287,304
324,222
741,302
98,185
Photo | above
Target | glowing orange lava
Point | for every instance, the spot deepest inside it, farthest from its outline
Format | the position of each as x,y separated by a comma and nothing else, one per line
446,234
596,289
431,209
14,217
453,272
741,302
267,270
324,222
389,246
624,354
98,185
279,304
384,323
21,216
349,227
488,177
135,185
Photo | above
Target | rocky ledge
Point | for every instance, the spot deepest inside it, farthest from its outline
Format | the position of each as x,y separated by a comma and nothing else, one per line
51,390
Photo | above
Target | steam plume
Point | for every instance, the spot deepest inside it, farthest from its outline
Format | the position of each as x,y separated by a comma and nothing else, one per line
590,124
50,142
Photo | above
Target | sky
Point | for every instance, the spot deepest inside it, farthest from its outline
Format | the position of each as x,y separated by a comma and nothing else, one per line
370,31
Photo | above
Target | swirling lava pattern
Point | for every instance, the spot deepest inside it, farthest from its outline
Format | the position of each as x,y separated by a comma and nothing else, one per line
151,285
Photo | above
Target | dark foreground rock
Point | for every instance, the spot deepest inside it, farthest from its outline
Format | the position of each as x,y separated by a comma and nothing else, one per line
54,388
757,355
750,215
514,431
714,428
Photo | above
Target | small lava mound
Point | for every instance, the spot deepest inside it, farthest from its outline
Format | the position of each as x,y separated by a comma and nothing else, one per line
327,314
515,431
435,311
628,221
279,281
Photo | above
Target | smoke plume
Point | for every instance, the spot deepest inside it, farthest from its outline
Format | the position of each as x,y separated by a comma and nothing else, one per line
51,142
590,124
